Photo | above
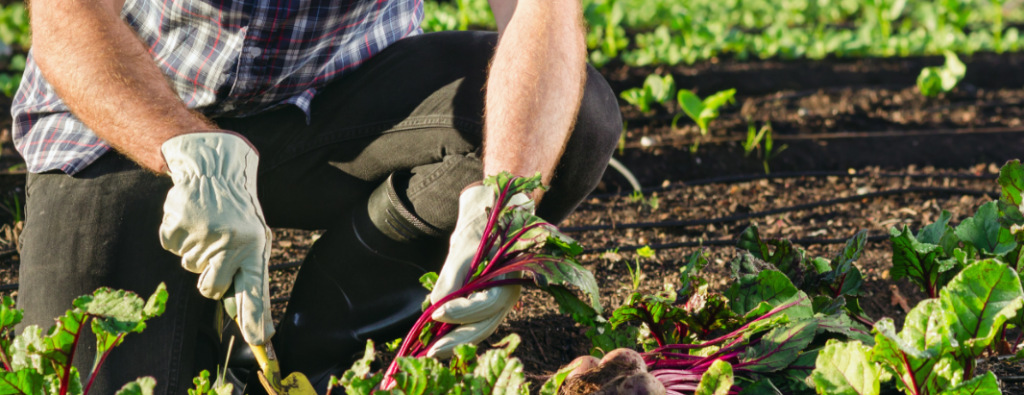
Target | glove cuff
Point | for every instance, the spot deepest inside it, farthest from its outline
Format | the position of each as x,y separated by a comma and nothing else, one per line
220,154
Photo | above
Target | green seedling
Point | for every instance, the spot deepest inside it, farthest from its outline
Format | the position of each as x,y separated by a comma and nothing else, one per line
935,80
702,111
635,273
646,252
769,149
656,89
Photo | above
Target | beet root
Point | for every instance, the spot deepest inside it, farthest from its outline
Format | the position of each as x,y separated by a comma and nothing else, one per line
586,363
627,357
641,384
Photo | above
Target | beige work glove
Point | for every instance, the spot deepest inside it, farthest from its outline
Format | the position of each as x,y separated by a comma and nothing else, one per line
479,314
213,221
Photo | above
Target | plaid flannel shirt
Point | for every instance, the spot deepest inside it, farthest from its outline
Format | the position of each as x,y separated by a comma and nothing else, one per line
224,58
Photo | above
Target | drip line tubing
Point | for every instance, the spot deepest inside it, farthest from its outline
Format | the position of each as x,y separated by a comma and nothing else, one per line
788,175
724,242
805,206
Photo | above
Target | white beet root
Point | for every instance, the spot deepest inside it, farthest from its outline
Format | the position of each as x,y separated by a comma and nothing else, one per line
641,384
626,357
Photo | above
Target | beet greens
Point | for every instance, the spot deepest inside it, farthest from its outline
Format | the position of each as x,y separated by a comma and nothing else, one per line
514,240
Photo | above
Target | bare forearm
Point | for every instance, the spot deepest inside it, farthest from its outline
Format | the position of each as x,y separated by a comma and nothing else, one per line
107,78
534,87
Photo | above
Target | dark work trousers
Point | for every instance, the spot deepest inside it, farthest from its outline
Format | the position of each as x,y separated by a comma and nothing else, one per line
417,106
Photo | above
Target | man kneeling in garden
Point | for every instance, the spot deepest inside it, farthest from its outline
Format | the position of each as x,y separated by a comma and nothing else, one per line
227,118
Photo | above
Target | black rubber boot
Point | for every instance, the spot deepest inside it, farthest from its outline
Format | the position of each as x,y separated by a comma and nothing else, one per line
360,281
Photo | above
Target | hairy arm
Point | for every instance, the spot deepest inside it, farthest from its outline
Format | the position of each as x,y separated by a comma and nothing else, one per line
108,79
534,85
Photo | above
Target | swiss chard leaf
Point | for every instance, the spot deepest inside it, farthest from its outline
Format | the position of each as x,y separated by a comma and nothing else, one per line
844,278
984,232
767,286
923,262
708,312
845,369
21,382
981,385
717,380
978,301
779,347
918,355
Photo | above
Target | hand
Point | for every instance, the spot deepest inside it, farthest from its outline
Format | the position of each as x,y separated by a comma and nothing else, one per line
213,221
479,314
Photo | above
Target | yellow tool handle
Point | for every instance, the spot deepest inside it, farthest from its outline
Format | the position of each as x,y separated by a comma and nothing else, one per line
267,360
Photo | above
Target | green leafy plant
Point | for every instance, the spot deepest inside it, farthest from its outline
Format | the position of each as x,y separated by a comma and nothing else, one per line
941,338
38,363
521,242
494,372
656,89
935,80
703,111
754,142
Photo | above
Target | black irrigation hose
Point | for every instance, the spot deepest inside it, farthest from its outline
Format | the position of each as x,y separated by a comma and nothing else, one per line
805,206
786,175
725,242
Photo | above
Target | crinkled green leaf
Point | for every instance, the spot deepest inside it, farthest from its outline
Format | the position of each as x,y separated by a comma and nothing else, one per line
423,376
497,372
915,260
844,278
428,280
987,384
977,302
918,355
9,316
984,232
463,358
842,324
519,184
357,379
780,346
157,302
708,312
767,286
1011,179
845,368
22,382
717,380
